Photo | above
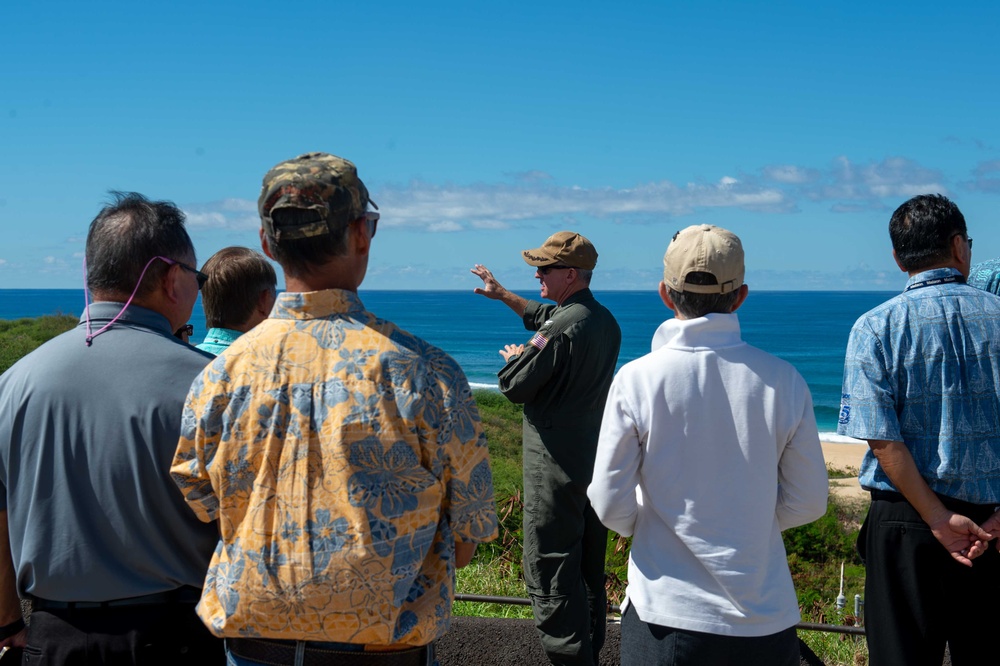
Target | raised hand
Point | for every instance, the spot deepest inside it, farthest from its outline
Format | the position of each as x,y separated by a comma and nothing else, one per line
491,288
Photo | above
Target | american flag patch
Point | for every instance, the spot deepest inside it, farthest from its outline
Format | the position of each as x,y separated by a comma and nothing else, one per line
539,341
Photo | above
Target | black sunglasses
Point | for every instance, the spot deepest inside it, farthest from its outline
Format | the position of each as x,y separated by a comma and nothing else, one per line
544,270
372,218
201,277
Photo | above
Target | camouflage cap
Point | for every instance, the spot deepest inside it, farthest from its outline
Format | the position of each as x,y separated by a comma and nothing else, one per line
566,248
319,182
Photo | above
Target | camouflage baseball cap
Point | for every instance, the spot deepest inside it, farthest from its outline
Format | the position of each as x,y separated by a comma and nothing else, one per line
324,183
566,248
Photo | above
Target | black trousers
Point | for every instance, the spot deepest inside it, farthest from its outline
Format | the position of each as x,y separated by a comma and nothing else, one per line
917,597
645,644
122,635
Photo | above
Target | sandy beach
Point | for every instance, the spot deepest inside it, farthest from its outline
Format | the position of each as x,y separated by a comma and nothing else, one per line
846,457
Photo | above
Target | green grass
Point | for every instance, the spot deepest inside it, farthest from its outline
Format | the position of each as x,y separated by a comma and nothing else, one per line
495,578
20,336
838,649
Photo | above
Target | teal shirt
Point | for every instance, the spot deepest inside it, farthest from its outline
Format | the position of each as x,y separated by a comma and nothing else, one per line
218,339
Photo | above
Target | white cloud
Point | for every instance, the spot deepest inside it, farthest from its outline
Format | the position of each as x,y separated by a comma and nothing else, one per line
533,176
445,225
494,225
853,186
449,207
789,173
2,262
50,260
534,195
234,214
986,177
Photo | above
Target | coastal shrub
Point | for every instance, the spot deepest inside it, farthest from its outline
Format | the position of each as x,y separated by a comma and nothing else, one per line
825,539
21,336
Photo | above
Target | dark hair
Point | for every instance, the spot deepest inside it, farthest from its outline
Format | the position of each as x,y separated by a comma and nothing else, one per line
301,256
236,277
125,235
693,305
922,228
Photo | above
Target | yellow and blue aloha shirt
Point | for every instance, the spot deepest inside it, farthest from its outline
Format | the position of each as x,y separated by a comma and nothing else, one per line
342,458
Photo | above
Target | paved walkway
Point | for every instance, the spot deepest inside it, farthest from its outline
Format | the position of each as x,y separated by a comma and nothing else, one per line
480,641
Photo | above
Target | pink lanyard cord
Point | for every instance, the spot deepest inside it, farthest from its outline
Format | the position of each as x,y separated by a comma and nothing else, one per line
86,299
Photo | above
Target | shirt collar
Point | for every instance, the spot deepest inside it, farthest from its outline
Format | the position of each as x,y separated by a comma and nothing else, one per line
932,274
316,304
713,331
578,297
105,311
221,335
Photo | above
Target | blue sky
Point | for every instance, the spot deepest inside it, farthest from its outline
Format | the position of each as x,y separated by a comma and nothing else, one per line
481,128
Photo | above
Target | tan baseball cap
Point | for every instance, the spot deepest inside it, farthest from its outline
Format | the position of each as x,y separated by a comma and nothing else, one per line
704,248
566,248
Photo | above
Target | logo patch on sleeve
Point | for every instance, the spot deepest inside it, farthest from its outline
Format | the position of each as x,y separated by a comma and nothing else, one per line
845,410
539,341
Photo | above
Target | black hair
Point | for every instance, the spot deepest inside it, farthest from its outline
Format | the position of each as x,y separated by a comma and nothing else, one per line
125,235
921,231
300,256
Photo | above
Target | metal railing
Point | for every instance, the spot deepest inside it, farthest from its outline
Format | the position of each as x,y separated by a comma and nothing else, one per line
522,601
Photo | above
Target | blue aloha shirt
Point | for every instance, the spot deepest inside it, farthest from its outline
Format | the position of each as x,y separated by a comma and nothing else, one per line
924,368
342,458
986,275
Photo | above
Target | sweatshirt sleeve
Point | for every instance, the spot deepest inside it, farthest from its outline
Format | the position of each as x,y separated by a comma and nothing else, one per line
803,484
613,489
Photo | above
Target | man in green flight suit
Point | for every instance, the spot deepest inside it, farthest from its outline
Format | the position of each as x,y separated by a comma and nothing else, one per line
562,376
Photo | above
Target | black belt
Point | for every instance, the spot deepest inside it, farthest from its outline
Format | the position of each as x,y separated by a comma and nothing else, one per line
182,595
283,654
977,512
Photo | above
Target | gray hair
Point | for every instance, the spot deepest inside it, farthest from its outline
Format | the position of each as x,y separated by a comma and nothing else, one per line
692,305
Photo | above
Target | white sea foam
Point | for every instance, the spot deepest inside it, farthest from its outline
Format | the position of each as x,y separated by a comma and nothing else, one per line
489,387
834,438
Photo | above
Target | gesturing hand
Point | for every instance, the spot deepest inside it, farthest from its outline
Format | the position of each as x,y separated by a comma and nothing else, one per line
511,350
491,288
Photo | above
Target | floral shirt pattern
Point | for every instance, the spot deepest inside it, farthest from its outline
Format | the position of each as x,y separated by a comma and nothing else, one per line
342,458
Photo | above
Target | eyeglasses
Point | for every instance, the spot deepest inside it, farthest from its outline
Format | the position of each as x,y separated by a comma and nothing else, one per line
184,332
544,270
372,218
202,278
969,238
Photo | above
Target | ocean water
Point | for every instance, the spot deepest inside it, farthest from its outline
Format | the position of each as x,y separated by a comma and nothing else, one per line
807,328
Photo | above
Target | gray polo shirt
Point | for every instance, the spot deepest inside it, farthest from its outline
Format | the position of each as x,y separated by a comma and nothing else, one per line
87,435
